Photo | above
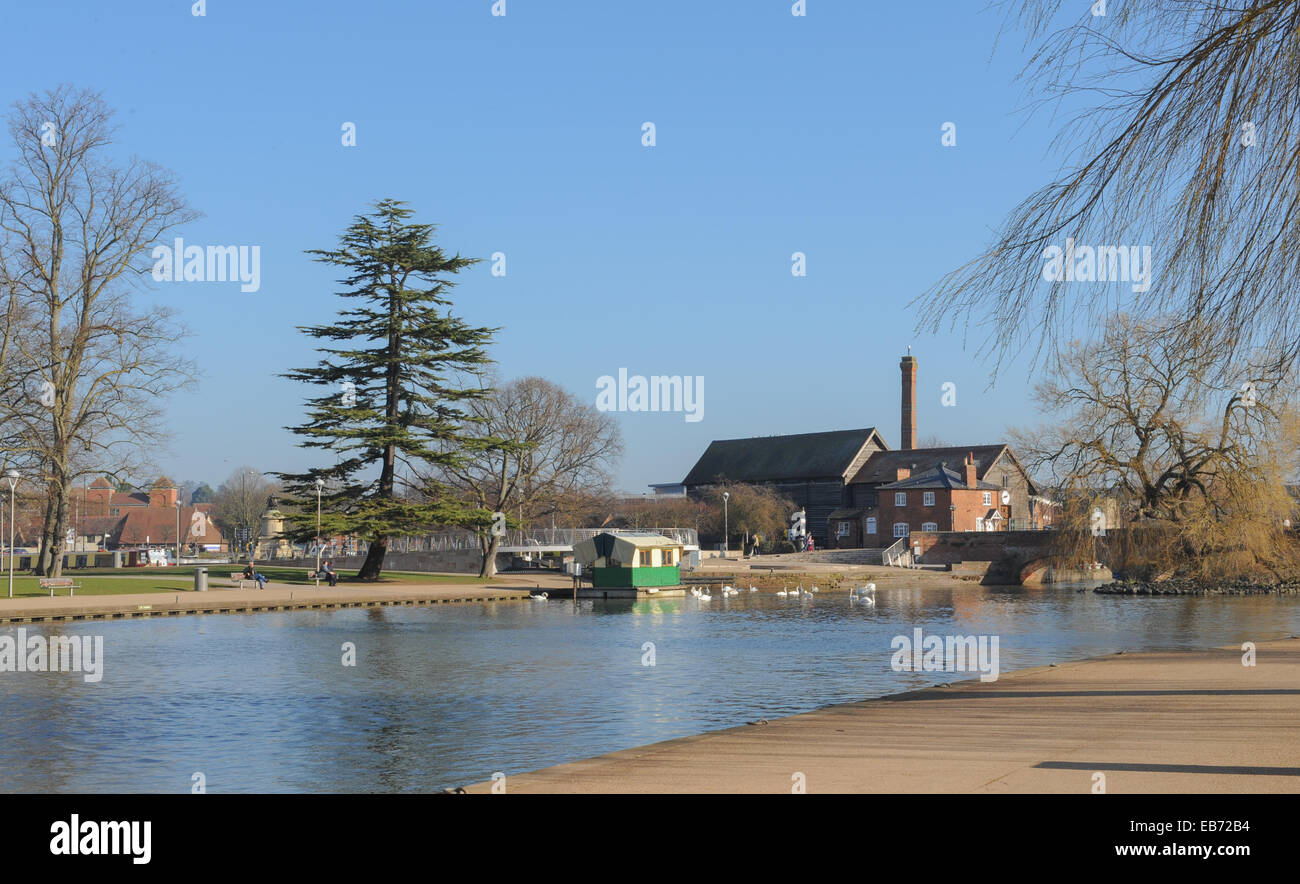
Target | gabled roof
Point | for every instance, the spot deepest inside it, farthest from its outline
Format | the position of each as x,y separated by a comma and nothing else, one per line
883,466
939,477
158,526
771,458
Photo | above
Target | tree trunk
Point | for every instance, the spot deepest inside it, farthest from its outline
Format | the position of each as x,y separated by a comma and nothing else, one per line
489,568
44,560
60,520
374,563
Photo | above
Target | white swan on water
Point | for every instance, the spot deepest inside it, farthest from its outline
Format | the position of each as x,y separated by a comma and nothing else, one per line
540,598
782,593
864,594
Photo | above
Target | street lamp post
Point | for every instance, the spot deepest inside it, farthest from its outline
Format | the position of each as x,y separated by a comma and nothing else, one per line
726,540
320,483
12,476
178,532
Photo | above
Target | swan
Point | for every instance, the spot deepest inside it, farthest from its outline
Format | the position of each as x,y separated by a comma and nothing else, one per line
540,598
782,593
753,589
865,594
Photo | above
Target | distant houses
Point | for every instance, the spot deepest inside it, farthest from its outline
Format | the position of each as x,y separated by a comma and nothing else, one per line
857,492
110,519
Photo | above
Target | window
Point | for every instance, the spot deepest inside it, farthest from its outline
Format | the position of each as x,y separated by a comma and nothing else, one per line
645,558
871,524
1006,480
668,557
928,498
930,526
979,523
900,529
900,499
988,498
843,529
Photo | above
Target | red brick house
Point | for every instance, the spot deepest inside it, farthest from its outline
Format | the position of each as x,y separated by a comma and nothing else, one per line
845,480
938,499
136,518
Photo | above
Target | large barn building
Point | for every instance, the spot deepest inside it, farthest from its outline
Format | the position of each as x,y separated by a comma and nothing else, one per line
857,492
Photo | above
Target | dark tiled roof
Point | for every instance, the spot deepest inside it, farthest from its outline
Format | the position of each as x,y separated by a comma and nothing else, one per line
852,513
939,477
883,466
771,458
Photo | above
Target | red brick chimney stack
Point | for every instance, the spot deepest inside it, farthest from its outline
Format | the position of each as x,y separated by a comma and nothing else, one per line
970,469
908,366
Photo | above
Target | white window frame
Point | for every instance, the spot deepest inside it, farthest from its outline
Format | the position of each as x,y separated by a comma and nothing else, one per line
988,498
900,499
905,531
930,526
927,498
979,523
843,528
871,524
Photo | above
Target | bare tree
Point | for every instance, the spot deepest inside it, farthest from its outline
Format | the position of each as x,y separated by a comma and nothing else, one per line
557,452
240,501
1140,428
1189,143
79,229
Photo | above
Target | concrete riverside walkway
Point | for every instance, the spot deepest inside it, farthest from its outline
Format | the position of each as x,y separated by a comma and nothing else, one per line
275,597
1171,722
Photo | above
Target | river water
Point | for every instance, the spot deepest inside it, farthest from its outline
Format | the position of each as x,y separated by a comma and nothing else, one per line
450,695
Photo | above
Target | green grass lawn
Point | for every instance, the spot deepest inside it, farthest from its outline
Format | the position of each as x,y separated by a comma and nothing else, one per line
119,581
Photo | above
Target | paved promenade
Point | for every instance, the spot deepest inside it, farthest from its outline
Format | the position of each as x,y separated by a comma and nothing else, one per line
1176,722
275,597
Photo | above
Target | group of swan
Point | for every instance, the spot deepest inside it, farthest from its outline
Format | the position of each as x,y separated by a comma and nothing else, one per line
798,593
864,594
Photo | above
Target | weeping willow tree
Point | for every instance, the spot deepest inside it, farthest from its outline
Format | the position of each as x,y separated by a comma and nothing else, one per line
1161,468
1184,137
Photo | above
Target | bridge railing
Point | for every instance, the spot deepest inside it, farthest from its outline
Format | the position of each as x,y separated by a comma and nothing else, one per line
897,555
527,537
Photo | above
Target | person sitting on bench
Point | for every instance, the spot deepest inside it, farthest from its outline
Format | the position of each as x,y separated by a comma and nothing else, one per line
250,573
330,573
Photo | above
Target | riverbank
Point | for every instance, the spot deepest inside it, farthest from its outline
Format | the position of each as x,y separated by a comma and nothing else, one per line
181,600
1166,722
275,597
1182,586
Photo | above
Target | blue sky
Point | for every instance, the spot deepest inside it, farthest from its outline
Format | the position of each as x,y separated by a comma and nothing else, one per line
522,134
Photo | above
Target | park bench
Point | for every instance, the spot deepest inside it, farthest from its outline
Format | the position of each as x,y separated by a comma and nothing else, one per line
53,583
238,577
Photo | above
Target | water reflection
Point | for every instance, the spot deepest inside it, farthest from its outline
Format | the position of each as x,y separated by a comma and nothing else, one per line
447,695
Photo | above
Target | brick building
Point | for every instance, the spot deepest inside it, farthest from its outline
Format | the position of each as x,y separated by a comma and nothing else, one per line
113,519
849,481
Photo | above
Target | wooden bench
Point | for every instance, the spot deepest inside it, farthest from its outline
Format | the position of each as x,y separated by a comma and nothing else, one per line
238,577
53,583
